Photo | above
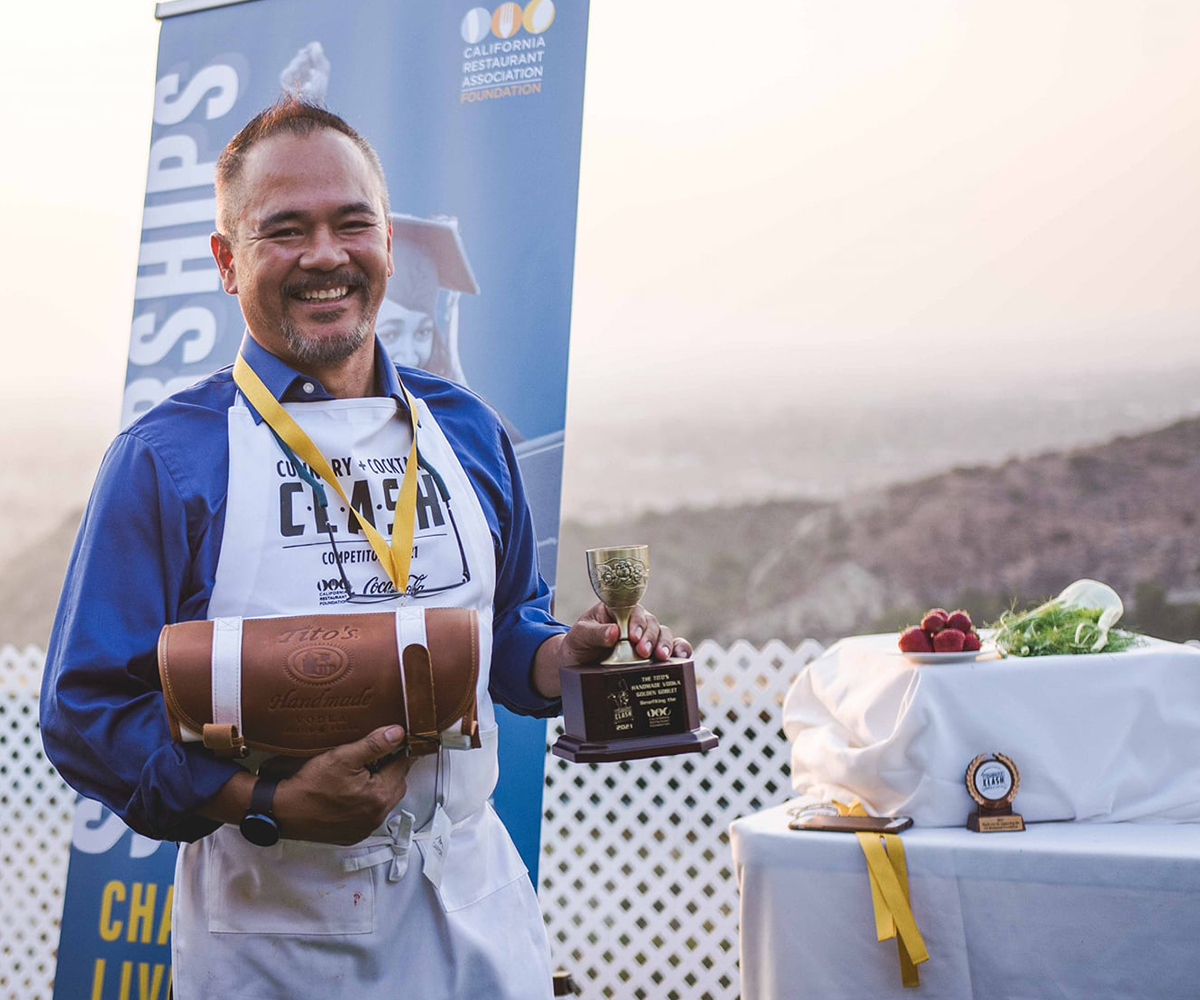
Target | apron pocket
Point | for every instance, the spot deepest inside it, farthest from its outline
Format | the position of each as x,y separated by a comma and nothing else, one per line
294,888
481,860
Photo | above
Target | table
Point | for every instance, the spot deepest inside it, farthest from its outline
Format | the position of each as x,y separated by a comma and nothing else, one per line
1063,910
1109,736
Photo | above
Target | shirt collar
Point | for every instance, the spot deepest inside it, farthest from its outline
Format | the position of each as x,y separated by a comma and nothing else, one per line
290,386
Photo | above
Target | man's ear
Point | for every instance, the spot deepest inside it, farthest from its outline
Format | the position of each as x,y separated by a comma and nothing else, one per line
222,252
391,264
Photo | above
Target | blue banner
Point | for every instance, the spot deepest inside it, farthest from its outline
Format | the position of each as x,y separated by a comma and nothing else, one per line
476,115
115,939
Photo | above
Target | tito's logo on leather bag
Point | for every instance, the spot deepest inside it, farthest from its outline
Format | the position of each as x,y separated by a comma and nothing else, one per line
317,665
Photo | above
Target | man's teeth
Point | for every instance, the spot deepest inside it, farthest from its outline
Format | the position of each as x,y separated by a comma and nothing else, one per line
324,294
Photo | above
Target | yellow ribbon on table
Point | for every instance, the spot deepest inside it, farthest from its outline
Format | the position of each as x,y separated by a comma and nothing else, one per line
888,873
395,558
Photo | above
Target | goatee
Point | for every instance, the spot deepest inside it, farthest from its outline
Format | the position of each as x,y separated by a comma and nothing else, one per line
324,350
331,348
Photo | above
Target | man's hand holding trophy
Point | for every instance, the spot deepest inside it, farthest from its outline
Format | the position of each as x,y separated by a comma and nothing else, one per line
628,707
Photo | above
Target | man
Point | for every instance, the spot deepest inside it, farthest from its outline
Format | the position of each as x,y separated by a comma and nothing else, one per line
199,511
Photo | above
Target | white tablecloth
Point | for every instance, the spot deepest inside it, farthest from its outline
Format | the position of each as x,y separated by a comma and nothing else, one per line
1064,910
1108,737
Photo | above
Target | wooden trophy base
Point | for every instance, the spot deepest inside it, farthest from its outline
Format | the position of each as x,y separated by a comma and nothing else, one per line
633,748
631,711
995,821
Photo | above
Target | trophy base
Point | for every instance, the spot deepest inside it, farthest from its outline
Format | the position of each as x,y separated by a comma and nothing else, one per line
631,711
633,747
981,822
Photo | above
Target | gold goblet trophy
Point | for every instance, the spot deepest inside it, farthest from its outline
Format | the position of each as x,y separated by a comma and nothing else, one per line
619,577
628,707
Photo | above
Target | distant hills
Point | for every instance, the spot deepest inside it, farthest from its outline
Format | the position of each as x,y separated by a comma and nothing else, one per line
1126,512
981,537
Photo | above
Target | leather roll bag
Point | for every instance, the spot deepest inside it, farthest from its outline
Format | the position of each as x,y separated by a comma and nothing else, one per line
300,686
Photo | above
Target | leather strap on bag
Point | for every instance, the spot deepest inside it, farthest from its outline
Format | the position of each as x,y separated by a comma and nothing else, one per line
223,740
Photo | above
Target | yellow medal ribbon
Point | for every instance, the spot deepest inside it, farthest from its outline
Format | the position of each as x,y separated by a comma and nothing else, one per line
394,559
888,873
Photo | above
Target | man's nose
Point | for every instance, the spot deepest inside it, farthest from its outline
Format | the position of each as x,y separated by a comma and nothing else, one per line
324,251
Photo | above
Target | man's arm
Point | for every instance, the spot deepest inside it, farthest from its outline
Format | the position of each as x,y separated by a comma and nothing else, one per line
132,569
522,623
529,643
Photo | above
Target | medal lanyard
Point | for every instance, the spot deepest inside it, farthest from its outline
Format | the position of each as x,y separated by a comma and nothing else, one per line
395,560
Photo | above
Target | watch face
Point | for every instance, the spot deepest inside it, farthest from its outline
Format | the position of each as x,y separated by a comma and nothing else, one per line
259,829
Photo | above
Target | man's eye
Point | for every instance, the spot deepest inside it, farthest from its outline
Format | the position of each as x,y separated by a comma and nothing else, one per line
282,234
357,225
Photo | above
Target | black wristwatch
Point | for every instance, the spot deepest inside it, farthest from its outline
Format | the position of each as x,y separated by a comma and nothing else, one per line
259,825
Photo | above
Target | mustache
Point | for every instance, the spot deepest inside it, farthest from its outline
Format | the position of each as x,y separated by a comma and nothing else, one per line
320,283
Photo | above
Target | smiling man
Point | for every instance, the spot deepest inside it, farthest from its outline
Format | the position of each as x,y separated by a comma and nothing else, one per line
201,512
305,243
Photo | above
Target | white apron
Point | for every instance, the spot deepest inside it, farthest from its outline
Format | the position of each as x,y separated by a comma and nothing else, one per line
298,918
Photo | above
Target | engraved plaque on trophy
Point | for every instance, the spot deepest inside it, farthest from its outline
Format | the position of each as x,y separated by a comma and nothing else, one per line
992,781
627,707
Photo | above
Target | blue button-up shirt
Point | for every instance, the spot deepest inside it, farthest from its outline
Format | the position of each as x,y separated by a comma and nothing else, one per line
146,555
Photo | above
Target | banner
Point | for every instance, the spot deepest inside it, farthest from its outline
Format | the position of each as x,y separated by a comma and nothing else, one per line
116,924
475,112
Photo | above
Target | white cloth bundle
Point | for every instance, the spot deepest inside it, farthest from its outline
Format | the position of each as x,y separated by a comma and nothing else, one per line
1105,737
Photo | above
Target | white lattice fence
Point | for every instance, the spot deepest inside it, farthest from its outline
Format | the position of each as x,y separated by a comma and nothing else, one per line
36,809
636,878
637,882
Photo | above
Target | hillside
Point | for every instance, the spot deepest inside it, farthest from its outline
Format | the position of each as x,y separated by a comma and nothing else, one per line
1126,512
31,583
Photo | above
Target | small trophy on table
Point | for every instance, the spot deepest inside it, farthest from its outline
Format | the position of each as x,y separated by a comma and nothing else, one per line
992,781
626,707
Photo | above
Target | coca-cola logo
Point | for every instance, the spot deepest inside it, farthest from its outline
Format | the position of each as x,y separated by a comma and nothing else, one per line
317,664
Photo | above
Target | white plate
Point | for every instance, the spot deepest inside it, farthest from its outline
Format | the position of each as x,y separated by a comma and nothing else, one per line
963,657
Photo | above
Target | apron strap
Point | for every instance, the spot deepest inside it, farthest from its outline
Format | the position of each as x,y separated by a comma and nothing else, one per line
394,852
395,559
394,847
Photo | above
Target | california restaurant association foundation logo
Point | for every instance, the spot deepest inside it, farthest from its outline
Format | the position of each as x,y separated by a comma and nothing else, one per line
504,48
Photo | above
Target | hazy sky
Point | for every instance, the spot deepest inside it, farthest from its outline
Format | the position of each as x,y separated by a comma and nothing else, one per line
775,196
886,182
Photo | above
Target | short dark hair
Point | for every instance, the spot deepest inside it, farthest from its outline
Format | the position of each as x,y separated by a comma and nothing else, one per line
295,116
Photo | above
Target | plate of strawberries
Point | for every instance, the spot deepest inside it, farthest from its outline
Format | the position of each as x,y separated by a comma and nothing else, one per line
942,637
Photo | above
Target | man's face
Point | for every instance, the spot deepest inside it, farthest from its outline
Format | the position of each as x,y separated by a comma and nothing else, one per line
406,335
311,250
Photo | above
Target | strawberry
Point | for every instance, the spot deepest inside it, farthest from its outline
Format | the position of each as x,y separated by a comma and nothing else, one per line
914,640
948,640
960,620
934,620
971,642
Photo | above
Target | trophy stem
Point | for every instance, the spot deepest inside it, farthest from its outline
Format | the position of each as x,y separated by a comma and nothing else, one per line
623,651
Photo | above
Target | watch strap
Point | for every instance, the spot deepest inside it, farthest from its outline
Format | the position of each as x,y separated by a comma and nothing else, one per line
263,796
259,825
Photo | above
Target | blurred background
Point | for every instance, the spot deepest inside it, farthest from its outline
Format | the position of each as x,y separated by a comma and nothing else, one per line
877,306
